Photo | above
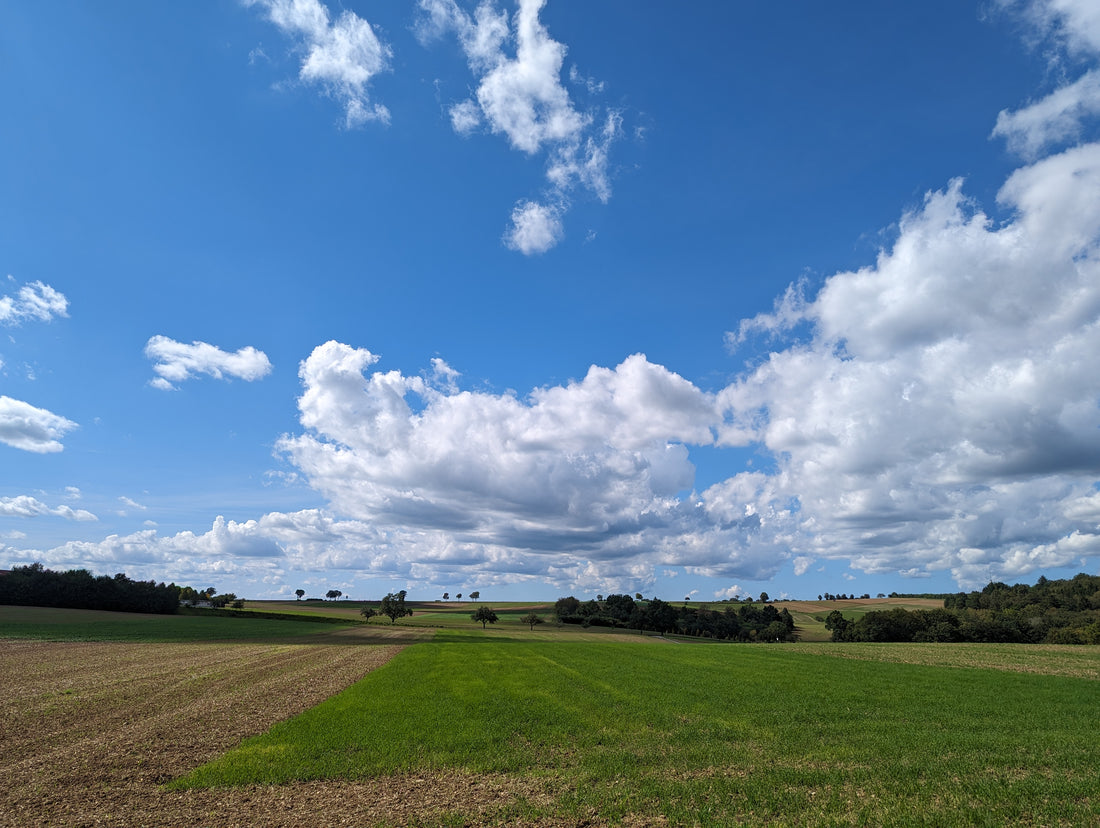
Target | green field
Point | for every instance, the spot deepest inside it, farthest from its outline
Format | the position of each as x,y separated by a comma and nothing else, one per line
622,729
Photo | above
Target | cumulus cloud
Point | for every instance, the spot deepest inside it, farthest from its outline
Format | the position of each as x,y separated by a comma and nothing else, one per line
36,302
27,506
174,362
521,96
340,55
535,228
24,426
586,481
944,413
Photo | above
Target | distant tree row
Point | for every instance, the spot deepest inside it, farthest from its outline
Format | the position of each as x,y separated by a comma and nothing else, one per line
746,623
828,596
1051,612
80,589
473,596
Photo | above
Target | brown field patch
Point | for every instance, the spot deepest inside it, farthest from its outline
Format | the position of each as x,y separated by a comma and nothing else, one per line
89,731
1043,659
826,607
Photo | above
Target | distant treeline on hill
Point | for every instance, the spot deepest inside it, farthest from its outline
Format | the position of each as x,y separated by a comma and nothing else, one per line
1051,612
80,589
745,623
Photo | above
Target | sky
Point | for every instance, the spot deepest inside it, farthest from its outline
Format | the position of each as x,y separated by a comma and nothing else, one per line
551,298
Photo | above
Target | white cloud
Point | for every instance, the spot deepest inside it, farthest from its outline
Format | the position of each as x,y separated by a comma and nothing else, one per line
1074,24
465,117
1054,119
176,361
23,426
521,96
341,56
132,504
946,400
581,482
802,564
535,228
36,302
27,506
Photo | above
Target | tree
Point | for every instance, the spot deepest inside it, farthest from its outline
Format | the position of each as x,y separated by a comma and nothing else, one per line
368,612
473,596
764,598
446,596
300,593
532,619
566,607
838,624
458,596
393,605
333,594
485,615
219,601
638,596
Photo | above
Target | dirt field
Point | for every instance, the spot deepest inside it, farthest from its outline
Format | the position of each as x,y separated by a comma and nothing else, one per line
90,730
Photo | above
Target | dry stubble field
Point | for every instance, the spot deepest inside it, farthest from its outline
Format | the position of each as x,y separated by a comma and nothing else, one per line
90,730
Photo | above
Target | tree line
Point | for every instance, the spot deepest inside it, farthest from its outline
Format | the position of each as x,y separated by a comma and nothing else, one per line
1050,612
79,589
745,623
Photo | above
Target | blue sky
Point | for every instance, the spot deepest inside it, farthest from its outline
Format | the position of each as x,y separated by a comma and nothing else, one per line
551,298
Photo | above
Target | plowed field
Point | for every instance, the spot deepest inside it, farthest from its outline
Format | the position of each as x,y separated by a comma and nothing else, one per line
90,730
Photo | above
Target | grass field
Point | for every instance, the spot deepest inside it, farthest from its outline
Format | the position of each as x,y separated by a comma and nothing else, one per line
621,729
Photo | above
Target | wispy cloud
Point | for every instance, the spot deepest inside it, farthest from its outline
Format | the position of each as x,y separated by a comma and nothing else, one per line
32,302
132,504
341,56
1057,118
174,362
29,507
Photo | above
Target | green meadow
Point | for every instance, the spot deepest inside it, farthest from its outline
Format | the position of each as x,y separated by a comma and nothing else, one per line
622,728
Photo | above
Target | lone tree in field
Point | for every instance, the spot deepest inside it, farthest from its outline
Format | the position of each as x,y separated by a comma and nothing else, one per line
485,615
446,596
473,596
531,619
393,605
333,594
368,612
300,593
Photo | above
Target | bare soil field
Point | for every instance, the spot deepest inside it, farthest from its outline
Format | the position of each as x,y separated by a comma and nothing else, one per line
90,731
